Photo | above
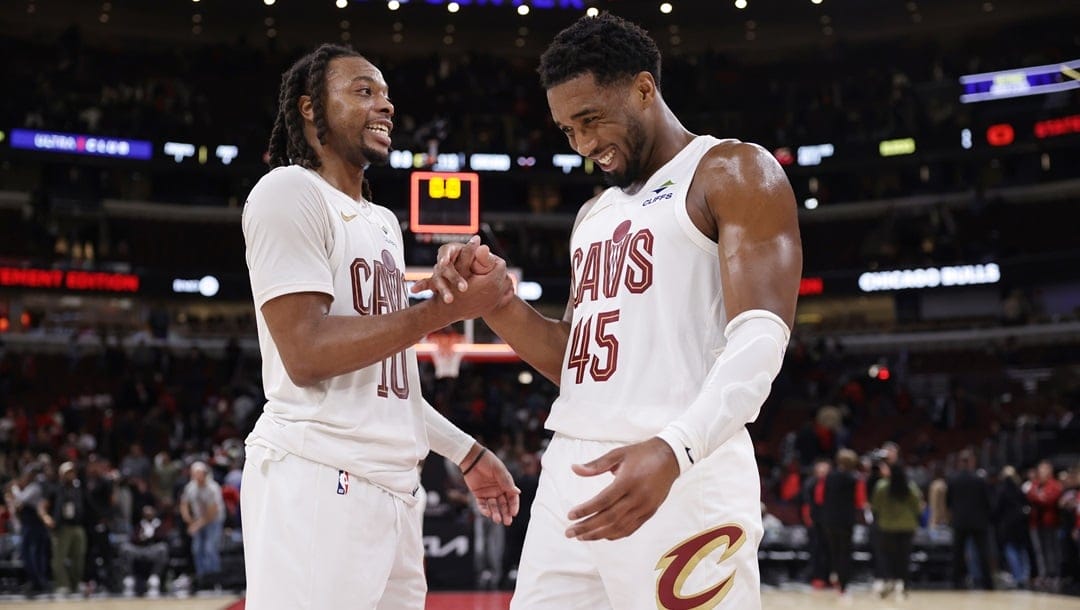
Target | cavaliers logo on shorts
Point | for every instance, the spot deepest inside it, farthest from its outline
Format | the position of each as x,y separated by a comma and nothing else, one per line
678,563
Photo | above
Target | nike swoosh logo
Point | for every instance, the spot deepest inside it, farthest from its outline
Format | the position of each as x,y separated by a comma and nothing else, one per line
347,217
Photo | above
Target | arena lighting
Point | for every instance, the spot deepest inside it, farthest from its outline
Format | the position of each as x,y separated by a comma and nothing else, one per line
393,5
665,7
226,152
207,286
566,161
815,1
592,11
812,155
892,148
1019,82
931,277
268,2
783,156
179,150
965,138
453,7
523,9
811,203
1057,127
341,3
740,4
879,372
811,286
485,162
1001,134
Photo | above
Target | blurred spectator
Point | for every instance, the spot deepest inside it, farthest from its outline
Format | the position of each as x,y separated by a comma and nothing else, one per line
969,502
1043,495
845,496
814,519
938,509
68,532
896,504
165,477
1010,515
202,508
136,464
29,499
147,544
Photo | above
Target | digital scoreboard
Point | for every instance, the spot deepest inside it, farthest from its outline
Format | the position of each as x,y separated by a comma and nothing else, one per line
444,202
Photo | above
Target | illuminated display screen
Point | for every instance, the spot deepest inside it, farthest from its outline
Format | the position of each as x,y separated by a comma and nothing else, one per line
81,281
78,144
444,202
1020,82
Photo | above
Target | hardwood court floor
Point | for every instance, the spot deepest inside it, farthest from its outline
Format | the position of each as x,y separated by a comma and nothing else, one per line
772,600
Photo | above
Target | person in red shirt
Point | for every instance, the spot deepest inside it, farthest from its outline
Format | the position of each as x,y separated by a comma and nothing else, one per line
1043,495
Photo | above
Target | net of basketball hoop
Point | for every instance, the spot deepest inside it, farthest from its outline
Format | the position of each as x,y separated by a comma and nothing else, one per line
446,357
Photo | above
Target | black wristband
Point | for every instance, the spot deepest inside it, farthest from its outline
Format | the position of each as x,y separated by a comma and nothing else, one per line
475,461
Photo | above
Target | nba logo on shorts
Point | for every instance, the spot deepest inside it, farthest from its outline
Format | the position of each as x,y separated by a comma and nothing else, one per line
342,482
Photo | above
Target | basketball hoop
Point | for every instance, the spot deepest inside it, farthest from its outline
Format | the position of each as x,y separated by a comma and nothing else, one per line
446,358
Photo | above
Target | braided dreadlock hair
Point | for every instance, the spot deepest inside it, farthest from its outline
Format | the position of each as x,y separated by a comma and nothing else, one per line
307,76
609,47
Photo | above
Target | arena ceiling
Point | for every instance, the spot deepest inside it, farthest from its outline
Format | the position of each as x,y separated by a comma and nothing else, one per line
763,27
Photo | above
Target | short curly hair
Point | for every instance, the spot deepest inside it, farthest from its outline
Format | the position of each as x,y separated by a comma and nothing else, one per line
609,47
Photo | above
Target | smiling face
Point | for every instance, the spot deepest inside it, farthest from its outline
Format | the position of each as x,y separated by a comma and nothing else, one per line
602,123
358,112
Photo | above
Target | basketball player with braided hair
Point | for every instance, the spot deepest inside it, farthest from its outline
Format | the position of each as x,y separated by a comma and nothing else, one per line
685,274
331,495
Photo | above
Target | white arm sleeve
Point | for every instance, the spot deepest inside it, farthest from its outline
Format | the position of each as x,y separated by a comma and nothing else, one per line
445,438
734,389
288,237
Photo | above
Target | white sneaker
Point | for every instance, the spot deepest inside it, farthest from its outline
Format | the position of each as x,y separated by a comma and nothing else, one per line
901,594
153,586
129,586
878,587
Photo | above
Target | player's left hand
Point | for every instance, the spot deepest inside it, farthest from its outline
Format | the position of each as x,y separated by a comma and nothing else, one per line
496,495
644,473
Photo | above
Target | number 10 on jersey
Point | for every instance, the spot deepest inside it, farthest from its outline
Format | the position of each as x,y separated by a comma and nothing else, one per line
594,347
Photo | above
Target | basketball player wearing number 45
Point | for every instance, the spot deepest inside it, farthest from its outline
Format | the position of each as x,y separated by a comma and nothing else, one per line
685,277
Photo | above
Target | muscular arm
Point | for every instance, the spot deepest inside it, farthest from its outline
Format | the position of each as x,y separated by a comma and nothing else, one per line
538,340
752,210
745,200
316,346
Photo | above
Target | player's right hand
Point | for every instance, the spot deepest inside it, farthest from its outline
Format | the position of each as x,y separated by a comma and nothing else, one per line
446,272
486,290
456,264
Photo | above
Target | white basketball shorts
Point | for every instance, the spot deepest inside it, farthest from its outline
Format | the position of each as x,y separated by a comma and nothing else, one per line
317,538
698,552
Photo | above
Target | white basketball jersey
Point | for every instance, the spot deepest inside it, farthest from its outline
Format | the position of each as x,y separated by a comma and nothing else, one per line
648,310
304,235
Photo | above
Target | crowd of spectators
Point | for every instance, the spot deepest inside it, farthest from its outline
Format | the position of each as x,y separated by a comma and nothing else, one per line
121,466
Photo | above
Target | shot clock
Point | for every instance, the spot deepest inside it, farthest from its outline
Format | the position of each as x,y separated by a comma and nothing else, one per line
444,202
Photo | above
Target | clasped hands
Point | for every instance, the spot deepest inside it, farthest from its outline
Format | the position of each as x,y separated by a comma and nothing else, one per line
470,278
